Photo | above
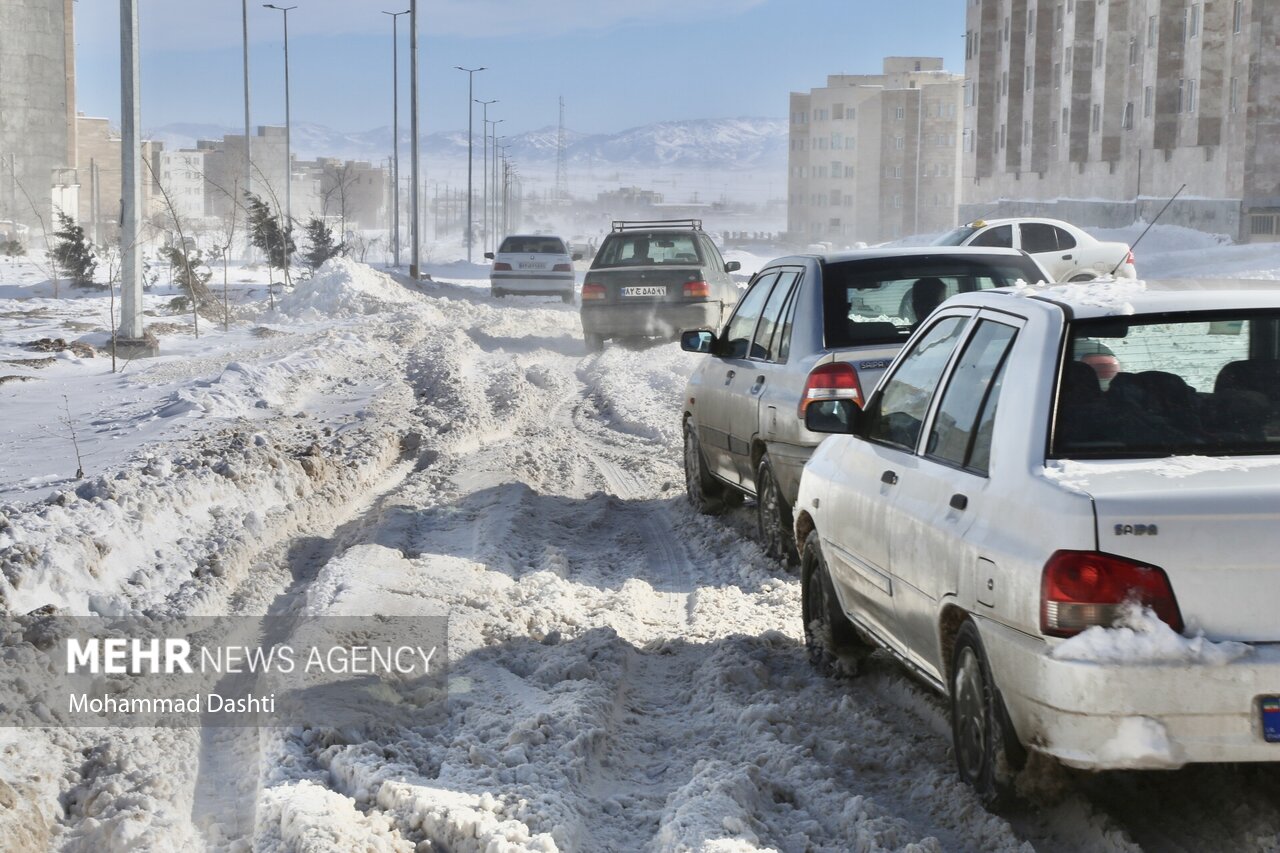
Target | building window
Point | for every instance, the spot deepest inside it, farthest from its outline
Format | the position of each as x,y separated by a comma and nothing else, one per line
1237,16
1066,60
1031,22
897,143
1148,101
1004,82
1006,27
1027,80
1097,53
837,111
1153,28
899,113
1097,117
1182,86
1133,50
848,171
1057,75
1126,120
1053,134
1026,132
1235,95
1191,96
1057,17
835,142
1193,21
1002,136
1066,119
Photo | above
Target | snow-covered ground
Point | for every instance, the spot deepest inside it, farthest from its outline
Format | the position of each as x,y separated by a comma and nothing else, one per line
623,674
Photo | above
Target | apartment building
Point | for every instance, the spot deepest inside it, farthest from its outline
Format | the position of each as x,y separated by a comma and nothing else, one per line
1098,111
99,158
874,157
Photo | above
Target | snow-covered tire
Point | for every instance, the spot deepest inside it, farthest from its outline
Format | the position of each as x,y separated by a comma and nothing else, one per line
497,292
706,494
773,516
988,754
595,343
567,298
834,645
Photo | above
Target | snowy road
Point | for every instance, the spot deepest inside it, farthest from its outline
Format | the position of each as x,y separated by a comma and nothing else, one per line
624,675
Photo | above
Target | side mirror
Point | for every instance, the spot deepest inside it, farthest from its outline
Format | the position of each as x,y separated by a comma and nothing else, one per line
832,416
732,266
489,255
577,256
698,340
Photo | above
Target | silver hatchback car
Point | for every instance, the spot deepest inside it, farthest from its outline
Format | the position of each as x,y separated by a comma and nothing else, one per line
809,328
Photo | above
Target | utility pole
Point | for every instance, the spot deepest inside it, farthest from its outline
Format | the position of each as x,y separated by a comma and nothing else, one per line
395,133
471,111
413,129
130,330
484,195
288,152
248,139
494,218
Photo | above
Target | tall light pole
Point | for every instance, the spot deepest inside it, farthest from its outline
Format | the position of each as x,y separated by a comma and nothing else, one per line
288,156
395,135
493,218
413,130
471,111
248,160
130,176
484,195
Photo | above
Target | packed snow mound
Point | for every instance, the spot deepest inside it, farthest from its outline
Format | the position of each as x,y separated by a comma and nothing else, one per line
1141,638
344,288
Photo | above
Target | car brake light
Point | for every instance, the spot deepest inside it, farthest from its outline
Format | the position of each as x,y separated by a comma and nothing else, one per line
1129,260
836,380
697,288
499,267
562,268
1081,589
592,290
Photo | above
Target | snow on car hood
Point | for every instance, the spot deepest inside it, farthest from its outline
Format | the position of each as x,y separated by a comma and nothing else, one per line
1212,524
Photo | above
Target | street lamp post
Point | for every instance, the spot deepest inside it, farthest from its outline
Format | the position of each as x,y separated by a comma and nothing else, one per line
248,159
484,195
471,110
413,131
493,218
288,156
395,135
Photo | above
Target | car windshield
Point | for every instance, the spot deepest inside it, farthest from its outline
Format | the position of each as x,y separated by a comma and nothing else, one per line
532,245
1202,384
881,302
624,250
956,236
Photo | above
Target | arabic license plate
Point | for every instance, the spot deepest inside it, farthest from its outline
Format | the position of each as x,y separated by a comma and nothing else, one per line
644,290
1271,718
531,265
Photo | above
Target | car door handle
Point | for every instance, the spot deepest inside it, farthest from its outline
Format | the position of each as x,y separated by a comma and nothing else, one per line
959,502
889,478
728,377
1066,257
755,389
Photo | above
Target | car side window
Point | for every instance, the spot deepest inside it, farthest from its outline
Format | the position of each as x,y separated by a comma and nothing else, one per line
896,414
712,254
1065,240
961,430
1039,237
1001,236
783,342
742,326
767,338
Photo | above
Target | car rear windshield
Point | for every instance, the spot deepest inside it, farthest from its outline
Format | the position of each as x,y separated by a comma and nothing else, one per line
881,302
643,249
532,245
1167,385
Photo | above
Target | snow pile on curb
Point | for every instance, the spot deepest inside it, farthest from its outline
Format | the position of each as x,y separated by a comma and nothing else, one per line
1143,638
344,288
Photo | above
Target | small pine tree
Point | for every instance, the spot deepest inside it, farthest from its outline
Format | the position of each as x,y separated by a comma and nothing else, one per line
266,233
322,248
190,272
72,254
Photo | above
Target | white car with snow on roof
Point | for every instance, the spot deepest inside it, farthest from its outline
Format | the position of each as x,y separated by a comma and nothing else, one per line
1085,567
1066,251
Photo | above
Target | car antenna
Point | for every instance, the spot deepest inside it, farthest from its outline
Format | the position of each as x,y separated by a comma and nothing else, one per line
1148,228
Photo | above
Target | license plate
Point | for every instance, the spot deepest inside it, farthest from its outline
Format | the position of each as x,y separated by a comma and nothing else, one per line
1271,718
644,290
527,265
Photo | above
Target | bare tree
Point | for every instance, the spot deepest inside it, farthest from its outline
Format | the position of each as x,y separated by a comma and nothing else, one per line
196,288
224,237
52,269
336,182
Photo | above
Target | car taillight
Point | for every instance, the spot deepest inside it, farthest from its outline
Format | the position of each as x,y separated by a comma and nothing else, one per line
835,380
697,288
499,267
562,268
592,290
1080,589
1129,260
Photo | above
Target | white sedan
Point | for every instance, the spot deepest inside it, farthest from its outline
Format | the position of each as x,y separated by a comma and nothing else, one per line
1066,252
532,264
1078,551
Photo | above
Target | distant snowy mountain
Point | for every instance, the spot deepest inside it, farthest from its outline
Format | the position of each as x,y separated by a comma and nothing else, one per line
737,143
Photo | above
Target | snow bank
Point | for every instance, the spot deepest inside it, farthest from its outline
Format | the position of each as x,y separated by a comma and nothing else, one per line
1142,638
344,288
1113,295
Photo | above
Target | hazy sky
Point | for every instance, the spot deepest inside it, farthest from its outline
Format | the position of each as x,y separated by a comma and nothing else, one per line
618,65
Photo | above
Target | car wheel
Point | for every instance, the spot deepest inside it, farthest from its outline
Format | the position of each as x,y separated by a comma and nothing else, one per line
705,492
773,516
595,343
567,298
497,293
988,754
834,645
1081,277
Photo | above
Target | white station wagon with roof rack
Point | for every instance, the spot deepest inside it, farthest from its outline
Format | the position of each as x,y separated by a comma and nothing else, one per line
1061,508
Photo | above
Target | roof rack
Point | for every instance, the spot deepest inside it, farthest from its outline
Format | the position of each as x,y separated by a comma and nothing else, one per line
643,224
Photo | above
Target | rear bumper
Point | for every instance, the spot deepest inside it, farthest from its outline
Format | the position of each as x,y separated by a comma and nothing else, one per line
657,319
551,283
1134,715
